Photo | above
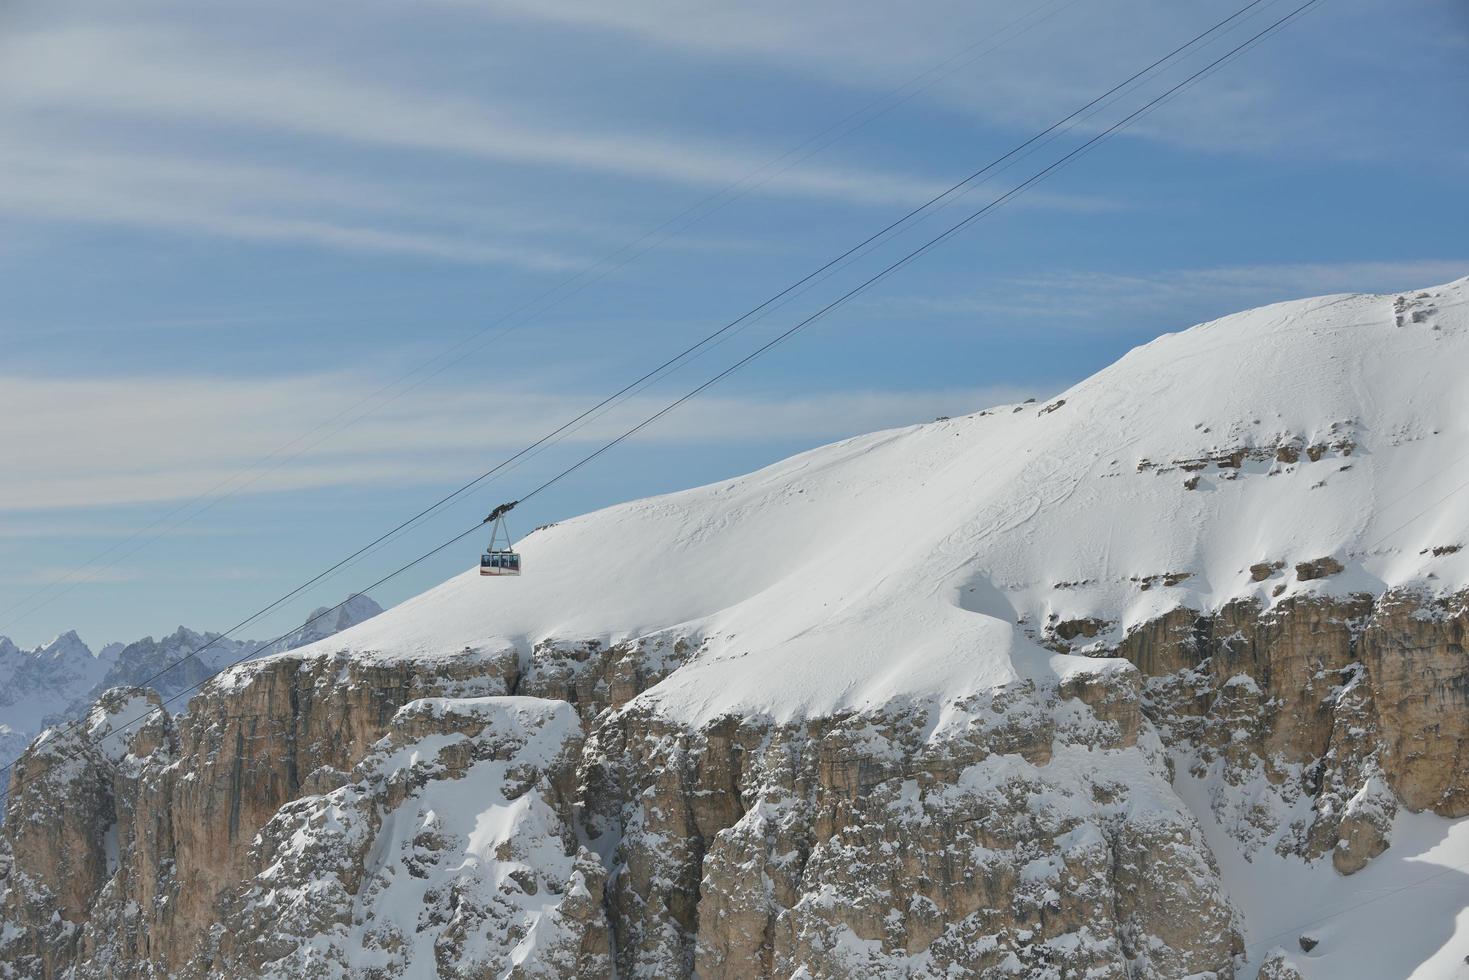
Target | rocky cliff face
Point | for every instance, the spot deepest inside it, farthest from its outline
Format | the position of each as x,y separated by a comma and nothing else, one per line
1351,706
1012,839
320,817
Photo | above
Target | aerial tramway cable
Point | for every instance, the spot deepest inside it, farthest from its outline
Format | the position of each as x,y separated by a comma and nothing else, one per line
780,338
723,330
551,298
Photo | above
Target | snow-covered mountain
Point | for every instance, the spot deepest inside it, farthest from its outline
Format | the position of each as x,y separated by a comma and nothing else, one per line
1306,430
1166,677
59,681
35,684
327,621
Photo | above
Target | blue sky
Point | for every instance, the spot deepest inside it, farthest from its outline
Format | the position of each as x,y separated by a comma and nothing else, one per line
234,232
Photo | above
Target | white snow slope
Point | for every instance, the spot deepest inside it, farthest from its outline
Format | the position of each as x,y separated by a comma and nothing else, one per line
917,564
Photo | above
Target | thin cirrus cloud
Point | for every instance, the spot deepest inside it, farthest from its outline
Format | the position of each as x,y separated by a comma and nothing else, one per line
160,74
55,178
1045,57
147,439
68,183
1023,63
102,82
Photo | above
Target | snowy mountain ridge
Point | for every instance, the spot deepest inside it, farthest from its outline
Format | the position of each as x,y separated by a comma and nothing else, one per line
1163,480
36,683
1167,677
59,680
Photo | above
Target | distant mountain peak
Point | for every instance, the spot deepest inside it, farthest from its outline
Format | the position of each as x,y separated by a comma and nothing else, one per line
327,621
60,680
66,645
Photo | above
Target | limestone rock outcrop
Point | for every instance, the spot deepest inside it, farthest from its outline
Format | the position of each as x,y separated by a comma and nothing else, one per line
1356,704
306,817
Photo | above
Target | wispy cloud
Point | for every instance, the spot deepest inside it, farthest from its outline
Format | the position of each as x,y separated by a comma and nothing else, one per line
1044,58
73,443
1021,64
160,74
50,179
100,117
860,40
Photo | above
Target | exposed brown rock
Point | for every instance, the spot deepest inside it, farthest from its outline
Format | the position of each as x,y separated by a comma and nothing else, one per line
1260,571
595,677
740,848
1415,653
867,828
1165,579
1360,839
1364,698
296,910
1319,568
66,815
1070,629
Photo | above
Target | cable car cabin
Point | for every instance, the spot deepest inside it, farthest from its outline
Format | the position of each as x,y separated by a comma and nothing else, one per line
499,563
500,559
